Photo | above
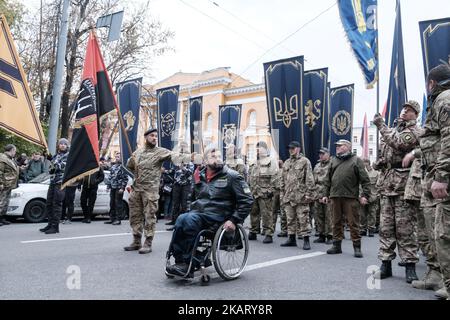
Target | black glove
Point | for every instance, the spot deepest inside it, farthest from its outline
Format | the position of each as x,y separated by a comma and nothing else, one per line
49,157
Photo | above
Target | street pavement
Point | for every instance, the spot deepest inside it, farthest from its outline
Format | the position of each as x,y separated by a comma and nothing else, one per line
87,262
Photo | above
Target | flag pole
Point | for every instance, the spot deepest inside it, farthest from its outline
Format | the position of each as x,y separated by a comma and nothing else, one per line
378,81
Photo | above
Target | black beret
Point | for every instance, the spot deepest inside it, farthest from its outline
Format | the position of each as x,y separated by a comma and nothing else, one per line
150,131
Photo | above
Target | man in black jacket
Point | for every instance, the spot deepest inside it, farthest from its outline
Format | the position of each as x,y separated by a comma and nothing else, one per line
89,193
222,196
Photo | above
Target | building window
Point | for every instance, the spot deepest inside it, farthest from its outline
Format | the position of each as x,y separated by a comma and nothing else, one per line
251,153
371,138
355,151
355,139
251,128
371,152
209,124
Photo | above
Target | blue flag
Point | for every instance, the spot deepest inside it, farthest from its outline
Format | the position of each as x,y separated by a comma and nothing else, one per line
435,38
341,116
316,115
195,114
284,91
167,115
129,97
359,20
229,126
424,109
398,95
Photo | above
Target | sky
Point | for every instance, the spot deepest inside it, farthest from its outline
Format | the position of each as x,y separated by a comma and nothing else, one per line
242,35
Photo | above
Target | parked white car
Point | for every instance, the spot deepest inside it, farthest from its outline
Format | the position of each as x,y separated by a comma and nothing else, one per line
28,200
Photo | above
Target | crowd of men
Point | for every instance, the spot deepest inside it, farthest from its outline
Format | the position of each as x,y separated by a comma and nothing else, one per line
404,195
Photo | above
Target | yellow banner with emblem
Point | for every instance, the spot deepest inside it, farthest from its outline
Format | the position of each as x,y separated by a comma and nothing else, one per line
17,111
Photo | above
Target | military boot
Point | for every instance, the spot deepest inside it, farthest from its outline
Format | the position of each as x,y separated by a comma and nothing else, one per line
282,235
336,248
147,247
410,272
268,239
252,236
135,245
371,233
306,244
329,240
45,228
357,249
386,269
52,230
4,222
431,281
320,240
441,294
291,242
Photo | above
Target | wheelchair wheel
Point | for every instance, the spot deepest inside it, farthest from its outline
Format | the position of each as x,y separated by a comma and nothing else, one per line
230,253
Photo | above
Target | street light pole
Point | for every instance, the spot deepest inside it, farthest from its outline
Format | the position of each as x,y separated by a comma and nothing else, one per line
57,87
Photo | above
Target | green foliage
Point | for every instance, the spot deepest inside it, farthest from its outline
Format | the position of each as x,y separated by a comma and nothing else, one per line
22,145
13,11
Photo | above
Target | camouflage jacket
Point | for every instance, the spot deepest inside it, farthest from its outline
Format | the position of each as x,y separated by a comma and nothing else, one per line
297,184
396,144
320,174
435,145
183,174
413,189
145,164
118,179
373,177
261,176
276,182
237,165
57,167
9,172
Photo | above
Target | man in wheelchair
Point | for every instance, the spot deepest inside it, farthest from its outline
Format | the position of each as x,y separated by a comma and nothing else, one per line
220,196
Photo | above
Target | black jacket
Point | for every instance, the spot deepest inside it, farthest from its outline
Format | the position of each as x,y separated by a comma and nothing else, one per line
226,194
93,180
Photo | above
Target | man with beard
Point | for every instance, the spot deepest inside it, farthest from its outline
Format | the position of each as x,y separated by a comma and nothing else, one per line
145,164
222,197
55,196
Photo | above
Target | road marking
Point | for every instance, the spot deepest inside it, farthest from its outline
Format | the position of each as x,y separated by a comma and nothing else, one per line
283,260
85,237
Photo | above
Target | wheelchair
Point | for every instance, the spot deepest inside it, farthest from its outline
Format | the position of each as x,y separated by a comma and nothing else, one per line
227,251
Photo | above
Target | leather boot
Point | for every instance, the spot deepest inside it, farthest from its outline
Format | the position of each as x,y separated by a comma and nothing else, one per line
4,222
386,269
320,240
431,281
268,239
336,248
291,242
52,230
329,240
306,244
357,248
410,272
252,236
282,235
147,247
135,245
45,228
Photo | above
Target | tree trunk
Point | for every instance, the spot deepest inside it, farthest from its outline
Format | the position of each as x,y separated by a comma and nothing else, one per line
70,72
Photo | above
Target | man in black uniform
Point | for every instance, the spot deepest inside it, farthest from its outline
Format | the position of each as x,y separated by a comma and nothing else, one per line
89,193
222,196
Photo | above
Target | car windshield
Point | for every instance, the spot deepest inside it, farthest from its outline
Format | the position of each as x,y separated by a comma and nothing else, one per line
42,178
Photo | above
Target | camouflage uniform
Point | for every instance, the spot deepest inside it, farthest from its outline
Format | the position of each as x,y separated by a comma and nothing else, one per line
237,165
398,219
435,145
276,205
369,212
118,180
260,180
322,211
9,176
146,164
297,191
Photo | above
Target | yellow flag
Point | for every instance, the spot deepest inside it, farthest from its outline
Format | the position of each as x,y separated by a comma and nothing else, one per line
17,111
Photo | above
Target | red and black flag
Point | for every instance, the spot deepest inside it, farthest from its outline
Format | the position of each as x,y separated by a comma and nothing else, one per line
95,100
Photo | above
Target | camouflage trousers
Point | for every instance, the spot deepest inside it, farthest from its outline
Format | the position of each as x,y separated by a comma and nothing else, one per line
298,219
369,216
323,219
425,235
262,211
442,236
397,228
143,212
4,201
377,222
278,210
